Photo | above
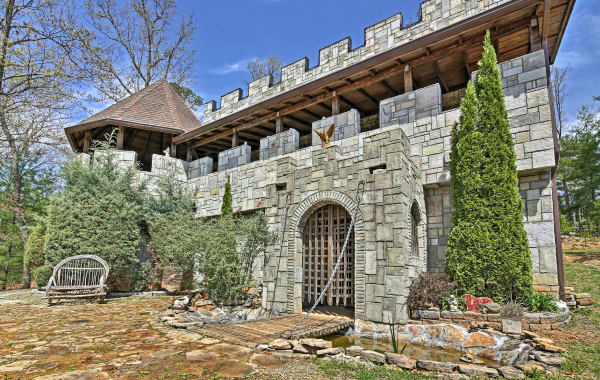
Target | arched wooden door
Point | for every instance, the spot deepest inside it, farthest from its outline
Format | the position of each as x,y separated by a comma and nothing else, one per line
324,235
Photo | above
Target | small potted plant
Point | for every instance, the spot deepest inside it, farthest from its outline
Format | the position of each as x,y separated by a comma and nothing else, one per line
512,314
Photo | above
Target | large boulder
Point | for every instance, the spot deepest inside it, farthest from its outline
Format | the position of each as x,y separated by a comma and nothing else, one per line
401,361
372,356
280,344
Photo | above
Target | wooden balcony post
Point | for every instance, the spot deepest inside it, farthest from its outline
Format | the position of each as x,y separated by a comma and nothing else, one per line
87,141
120,137
278,124
235,139
408,79
335,104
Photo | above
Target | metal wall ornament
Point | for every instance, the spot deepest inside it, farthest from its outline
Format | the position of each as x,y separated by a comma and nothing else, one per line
326,135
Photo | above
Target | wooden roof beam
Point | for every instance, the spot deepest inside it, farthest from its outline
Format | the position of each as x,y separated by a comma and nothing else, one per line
264,129
304,125
439,74
130,139
467,64
145,146
312,114
368,96
354,106
324,106
388,88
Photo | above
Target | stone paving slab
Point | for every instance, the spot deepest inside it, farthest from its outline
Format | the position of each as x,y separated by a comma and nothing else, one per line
122,339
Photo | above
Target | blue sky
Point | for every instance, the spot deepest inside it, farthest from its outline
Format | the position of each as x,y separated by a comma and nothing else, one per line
233,32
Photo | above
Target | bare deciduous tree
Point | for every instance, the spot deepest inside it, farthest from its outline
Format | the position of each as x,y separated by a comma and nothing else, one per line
261,67
135,45
38,48
560,91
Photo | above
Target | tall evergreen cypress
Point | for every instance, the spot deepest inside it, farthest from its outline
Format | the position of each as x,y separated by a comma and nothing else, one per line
227,206
488,251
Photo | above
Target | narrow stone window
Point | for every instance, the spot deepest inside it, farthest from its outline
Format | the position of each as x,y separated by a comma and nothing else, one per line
414,230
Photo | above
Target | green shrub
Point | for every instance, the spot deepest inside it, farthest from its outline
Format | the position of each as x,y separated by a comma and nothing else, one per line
227,206
35,256
429,289
230,246
176,241
99,212
488,250
566,227
42,274
537,302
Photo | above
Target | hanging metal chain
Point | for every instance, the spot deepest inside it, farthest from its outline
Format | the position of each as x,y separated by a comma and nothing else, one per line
264,273
361,188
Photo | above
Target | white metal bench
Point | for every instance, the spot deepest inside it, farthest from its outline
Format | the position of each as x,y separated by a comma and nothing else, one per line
78,277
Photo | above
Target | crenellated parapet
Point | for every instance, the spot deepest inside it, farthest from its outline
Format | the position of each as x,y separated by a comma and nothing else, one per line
378,38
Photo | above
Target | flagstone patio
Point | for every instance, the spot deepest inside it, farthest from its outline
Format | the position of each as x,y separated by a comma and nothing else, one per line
121,339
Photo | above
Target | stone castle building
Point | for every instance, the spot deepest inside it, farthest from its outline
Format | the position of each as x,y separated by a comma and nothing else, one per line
393,101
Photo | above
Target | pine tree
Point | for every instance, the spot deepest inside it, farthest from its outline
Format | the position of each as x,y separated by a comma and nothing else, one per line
227,207
488,251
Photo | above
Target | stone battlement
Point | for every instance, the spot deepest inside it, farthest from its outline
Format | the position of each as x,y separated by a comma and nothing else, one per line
380,37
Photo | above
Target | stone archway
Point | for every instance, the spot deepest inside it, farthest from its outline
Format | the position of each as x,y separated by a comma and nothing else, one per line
295,244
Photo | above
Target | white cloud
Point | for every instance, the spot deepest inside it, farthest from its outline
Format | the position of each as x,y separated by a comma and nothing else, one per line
231,67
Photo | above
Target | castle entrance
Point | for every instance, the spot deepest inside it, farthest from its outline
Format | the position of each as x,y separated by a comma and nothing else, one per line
323,238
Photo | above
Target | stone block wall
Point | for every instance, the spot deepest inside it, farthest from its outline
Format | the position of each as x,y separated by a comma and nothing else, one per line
379,38
369,123
409,107
281,143
234,157
451,100
200,167
347,124
384,262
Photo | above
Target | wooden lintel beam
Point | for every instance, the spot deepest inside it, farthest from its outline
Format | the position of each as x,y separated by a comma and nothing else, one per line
368,96
439,74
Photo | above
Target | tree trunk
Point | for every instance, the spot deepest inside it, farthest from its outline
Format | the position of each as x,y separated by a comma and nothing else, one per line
570,215
14,153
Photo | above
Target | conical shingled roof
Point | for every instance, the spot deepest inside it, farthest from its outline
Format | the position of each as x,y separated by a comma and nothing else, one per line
157,105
